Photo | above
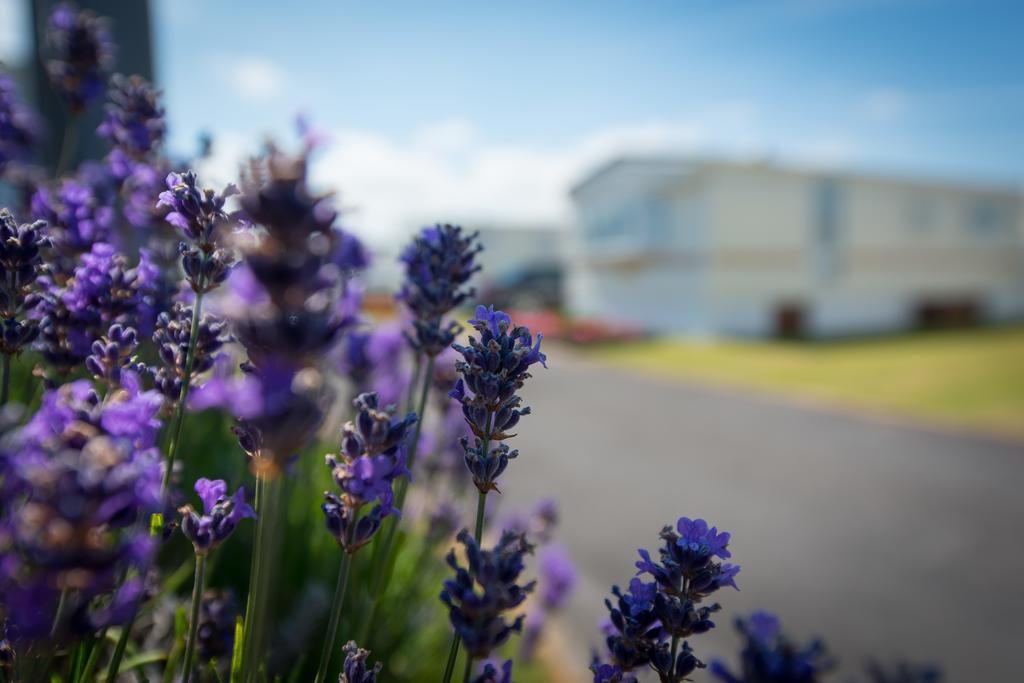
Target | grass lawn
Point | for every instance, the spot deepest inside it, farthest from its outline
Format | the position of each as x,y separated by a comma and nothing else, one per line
971,378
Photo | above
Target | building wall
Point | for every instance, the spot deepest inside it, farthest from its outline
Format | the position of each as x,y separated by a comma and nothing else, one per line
735,249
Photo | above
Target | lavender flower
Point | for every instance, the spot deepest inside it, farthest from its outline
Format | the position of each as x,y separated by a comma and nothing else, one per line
442,521
354,670
610,673
79,474
135,119
112,353
220,515
216,634
82,55
668,608
21,264
479,594
103,290
173,332
19,127
493,368
372,361
438,264
769,657
277,408
296,302
557,577
491,674
199,215
77,213
290,301
367,465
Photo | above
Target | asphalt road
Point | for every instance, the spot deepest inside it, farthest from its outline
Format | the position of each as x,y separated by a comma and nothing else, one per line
887,540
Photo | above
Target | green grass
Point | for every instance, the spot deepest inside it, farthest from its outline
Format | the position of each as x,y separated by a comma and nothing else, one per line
969,378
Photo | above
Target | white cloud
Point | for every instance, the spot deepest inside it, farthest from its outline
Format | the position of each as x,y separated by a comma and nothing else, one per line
253,78
885,105
449,171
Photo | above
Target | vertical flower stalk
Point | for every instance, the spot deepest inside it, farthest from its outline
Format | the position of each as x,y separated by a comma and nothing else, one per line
198,214
481,593
438,266
207,531
81,56
290,307
650,621
21,265
366,469
493,368
768,656
77,477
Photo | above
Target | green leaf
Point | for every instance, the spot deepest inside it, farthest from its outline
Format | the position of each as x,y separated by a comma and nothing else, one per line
142,659
236,652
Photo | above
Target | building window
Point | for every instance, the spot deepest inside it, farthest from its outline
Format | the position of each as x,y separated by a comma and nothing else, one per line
827,226
989,218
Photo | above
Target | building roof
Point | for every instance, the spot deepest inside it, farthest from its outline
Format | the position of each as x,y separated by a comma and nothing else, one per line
685,163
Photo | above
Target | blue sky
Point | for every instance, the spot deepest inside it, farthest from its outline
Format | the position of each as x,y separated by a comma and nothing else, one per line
490,110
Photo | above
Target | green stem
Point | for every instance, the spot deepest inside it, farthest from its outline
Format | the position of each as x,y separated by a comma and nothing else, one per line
382,558
413,382
336,607
468,671
5,382
254,568
197,600
122,643
453,654
186,380
93,660
267,527
672,666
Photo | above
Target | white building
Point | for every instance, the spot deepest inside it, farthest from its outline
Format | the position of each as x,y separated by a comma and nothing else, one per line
684,245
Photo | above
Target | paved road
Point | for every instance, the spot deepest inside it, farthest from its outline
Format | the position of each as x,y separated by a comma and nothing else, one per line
886,540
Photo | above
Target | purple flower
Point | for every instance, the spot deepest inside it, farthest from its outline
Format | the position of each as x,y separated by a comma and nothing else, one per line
610,673
768,656
368,463
304,303
669,607
19,126
687,565
21,265
492,674
221,515
493,368
354,670
199,215
438,264
372,361
135,119
112,353
172,336
82,54
77,477
216,635
557,577
480,593
77,213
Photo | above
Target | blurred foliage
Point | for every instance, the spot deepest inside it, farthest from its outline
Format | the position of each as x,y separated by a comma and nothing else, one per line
411,635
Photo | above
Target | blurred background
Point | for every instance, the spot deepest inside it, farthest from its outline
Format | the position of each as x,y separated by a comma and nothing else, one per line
777,250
